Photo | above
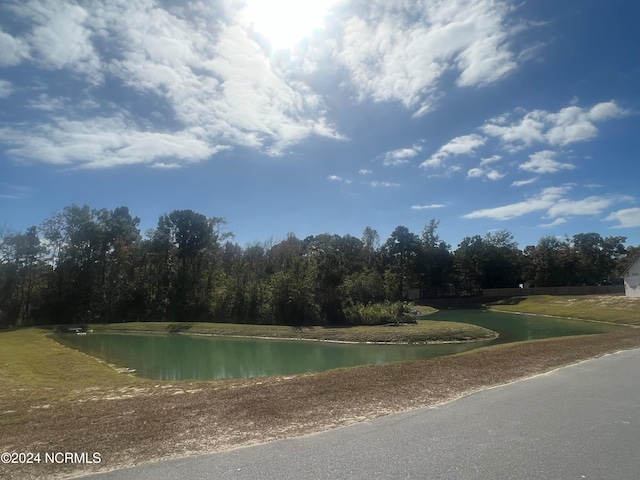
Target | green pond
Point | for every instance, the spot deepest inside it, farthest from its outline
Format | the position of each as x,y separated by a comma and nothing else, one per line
186,357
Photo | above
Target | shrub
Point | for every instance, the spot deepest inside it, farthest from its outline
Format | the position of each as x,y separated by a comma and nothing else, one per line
378,313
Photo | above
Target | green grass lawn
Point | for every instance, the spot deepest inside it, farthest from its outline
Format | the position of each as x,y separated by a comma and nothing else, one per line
32,361
601,308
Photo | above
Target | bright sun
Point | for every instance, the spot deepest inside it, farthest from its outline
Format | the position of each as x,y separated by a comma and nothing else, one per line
285,22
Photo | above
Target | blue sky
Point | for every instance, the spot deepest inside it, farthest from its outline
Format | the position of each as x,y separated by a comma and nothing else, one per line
329,116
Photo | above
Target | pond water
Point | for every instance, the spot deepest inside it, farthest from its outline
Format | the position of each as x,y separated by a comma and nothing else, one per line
185,357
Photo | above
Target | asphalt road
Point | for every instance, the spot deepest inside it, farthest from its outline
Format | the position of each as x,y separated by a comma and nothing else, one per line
579,422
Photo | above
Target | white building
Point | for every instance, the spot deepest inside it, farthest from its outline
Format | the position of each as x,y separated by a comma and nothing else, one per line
631,278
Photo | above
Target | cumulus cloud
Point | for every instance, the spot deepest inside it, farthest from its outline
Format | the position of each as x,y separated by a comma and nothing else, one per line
400,156
568,125
524,133
364,171
485,171
60,37
195,80
626,218
494,175
543,162
481,172
226,84
490,160
399,51
337,178
463,145
605,111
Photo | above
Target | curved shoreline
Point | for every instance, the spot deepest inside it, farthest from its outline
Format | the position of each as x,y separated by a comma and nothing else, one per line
546,315
349,342
427,333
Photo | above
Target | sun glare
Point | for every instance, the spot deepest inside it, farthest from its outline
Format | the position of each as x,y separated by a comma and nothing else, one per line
285,22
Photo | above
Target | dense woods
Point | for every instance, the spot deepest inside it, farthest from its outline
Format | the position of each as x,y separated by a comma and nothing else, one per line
85,265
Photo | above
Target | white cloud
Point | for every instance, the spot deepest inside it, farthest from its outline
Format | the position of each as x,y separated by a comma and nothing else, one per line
14,192
384,184
481,172
484,171
605,111
626,218
103,142
426,207
569,125
556,222
399,51
490,160
588,206
12,50
494,175
543,162
546,199
339,179
465,144
5,88
46,103
400,156
520,183
166,166
206,81
554,202
364,171
485,61
60,37
225,84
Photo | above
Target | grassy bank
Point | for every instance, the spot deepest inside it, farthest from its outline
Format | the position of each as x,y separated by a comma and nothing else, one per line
29,359
601,308
423,331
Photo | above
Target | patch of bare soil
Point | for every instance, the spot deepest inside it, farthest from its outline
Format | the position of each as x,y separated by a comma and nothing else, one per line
134,425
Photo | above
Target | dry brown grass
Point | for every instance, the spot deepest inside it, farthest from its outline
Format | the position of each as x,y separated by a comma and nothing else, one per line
147,421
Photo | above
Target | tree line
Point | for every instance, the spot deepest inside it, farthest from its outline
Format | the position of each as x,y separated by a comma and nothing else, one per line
85,265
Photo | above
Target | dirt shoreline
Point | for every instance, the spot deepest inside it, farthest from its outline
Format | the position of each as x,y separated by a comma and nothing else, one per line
146,421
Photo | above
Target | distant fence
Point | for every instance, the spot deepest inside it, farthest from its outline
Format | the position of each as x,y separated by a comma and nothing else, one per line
591,290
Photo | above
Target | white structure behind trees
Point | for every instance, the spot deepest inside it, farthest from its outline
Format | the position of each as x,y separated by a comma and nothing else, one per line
631,278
